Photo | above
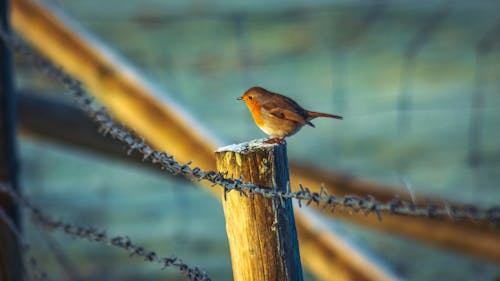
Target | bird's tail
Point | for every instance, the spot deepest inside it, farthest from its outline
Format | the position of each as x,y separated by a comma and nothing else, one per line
313,114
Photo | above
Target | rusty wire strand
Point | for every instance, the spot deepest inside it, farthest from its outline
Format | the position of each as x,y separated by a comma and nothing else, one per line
95,235
167,162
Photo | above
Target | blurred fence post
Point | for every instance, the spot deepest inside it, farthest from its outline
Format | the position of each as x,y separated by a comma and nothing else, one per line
10,258
261,232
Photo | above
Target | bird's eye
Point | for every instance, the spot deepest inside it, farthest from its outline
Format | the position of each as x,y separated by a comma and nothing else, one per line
250,97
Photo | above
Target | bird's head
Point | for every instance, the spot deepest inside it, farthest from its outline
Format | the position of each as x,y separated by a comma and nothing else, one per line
255,95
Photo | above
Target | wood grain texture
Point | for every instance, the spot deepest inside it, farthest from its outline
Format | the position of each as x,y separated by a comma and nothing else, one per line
261,232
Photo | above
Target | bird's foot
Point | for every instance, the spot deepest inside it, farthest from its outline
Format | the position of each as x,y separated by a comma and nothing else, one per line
275,140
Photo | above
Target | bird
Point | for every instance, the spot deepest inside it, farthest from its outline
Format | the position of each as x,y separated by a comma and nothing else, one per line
277,115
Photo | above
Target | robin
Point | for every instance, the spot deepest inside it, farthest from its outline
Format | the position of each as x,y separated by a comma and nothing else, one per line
277,115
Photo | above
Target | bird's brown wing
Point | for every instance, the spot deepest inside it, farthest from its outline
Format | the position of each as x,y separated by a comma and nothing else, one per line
288,115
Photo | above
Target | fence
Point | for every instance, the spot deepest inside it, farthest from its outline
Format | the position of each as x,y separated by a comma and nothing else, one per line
167,162
322,198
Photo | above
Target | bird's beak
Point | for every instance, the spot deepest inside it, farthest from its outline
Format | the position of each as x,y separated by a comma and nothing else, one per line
239,98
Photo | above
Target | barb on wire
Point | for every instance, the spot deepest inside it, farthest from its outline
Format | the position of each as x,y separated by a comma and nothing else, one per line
167,162
94,235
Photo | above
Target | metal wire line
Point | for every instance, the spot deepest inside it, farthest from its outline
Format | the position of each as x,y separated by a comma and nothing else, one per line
99,236
167,162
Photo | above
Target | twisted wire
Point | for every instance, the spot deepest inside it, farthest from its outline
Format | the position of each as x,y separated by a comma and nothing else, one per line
99,236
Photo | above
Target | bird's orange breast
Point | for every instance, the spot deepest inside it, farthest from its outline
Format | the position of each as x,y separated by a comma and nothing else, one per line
255,110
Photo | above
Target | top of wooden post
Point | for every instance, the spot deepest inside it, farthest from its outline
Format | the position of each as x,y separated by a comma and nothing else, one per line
271,158
250,146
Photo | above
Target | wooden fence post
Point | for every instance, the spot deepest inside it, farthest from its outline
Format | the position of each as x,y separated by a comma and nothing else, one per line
10,257
261,231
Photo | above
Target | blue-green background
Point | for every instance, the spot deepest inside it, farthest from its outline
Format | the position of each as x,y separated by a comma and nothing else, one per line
352,58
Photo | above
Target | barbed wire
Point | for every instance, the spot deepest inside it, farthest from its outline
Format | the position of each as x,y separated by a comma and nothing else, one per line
95,235
35,272
366,205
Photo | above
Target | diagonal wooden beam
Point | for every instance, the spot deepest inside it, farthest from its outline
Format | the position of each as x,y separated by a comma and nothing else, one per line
130,98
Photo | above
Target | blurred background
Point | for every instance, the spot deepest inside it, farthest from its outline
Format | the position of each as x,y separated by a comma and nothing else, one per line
416,81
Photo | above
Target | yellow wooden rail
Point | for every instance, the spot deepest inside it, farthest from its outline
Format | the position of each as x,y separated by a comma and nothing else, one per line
126,95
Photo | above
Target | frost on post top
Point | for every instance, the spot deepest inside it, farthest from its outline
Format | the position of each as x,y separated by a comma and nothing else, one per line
246,147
